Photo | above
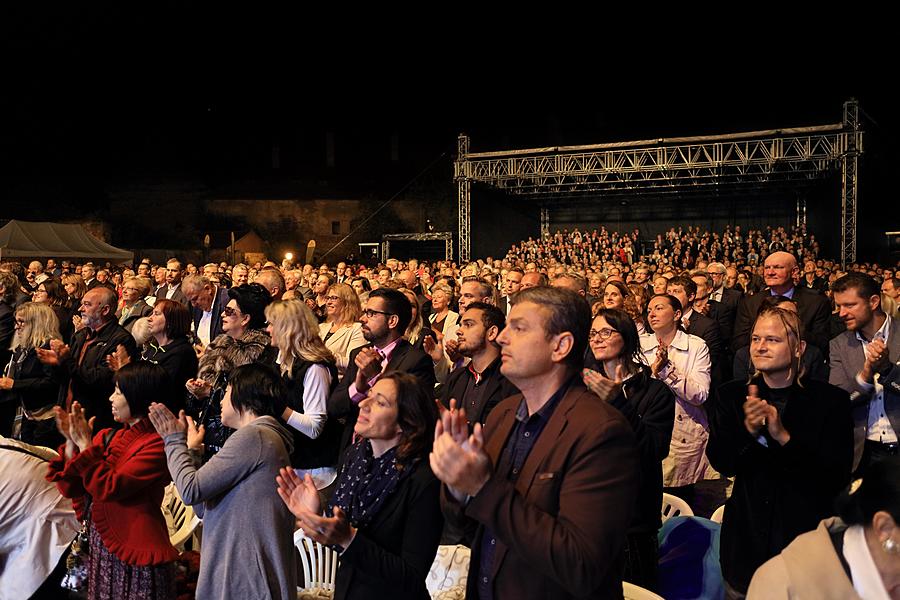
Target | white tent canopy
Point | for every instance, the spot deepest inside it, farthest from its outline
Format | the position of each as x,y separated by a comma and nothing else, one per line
27,239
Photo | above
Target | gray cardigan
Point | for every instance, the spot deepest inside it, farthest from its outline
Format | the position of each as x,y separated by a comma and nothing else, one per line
248,549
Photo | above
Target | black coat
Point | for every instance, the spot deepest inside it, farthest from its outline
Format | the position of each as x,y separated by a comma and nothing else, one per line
178,359
814,314
779,491
404,358
725,313
496,388
392,555
91,380
35,385
649,406
324,450
707,329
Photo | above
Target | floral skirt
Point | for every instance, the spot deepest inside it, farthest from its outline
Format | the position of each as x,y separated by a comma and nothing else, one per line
112,579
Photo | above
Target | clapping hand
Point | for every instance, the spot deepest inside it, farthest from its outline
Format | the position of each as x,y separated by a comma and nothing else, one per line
199,387
57,353
167,423
433,348
758,414
451,347
118,359
877,360
79,428
662,357
457,458
368,365
605,388
302,498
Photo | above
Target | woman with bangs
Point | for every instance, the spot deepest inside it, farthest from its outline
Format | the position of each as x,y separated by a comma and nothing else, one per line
342,331
29,383
788,442
309,373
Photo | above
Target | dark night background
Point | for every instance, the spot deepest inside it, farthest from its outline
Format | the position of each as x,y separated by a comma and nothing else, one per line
103,111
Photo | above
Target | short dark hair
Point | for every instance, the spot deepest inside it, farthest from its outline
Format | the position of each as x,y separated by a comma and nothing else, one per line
178,317
569,312
396,303
486,288
880,490
416,416
257,388
252,298
491,316
865,285
674,302
367,287
771,301
688,284
143,382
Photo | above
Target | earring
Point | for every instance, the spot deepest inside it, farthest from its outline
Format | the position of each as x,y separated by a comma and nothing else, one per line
890,546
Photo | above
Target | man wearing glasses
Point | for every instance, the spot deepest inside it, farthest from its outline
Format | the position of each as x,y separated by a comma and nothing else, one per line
384,321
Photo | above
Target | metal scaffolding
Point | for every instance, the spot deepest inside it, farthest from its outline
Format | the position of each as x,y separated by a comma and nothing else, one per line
446,236
706,165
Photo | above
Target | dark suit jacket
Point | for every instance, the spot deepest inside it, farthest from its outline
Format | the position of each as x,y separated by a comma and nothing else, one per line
404,358
814,313
560,528
218,305
391,556
779,491
707,329
92,380
495,386
177,296
846,360
725,313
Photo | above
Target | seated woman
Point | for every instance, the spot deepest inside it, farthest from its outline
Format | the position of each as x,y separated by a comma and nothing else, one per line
310,375
648,404
385,514
787,441
248,548
244,341
134,289
28,382
856,556
116,480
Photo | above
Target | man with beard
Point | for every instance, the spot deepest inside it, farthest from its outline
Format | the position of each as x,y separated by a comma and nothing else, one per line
384,321
859,359
84,364
172,290
478,386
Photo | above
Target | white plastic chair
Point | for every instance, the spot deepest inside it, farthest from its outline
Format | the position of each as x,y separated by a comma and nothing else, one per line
180,518
673,506
718,515
320,563
633,592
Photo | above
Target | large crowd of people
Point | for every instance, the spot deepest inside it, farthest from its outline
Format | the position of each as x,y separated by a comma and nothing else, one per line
533,407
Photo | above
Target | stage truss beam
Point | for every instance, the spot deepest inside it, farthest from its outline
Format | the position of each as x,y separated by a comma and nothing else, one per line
712,164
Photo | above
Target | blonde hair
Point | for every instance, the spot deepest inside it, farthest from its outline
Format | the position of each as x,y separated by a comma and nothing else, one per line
142,283
791,323
295,332
44,325
416,324
78,281
351,309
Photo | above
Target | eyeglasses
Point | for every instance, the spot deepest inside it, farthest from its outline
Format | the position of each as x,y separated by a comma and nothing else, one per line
230,312
332,298
21,322
370,313
603,334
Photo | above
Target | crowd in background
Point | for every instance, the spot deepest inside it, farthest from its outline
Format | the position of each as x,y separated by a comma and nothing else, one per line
694,356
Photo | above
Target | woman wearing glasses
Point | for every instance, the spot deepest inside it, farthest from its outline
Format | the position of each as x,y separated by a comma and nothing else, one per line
29,383
133,305
52,293
342,331
244,341
626,383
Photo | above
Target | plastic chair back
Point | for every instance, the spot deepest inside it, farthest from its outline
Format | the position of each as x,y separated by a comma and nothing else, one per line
320,562
673,506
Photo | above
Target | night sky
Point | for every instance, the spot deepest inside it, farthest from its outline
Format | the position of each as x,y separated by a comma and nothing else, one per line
187,92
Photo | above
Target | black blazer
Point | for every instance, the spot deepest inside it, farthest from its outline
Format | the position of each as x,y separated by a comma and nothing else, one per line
707,329
725,313
779,491
218,305
391,556
178,296
92,380
814,312
649,406
404,358
496,388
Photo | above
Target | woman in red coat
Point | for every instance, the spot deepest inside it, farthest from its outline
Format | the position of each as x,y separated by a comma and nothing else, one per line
117,480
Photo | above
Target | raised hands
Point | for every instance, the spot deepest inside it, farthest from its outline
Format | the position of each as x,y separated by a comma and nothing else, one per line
877,360
118,359
165,422
302,498
433,348
199,387
759,414
457,458
74,427
662,358
57,353
605,388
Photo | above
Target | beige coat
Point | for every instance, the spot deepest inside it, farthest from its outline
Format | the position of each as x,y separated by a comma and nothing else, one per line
344,341
808,568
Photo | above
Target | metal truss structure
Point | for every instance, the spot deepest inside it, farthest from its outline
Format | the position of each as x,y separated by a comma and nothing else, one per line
701,165
447,236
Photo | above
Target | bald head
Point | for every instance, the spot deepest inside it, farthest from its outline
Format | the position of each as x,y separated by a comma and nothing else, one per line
533,279
780,268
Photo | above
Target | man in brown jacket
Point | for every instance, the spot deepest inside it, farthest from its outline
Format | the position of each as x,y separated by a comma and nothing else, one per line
552,479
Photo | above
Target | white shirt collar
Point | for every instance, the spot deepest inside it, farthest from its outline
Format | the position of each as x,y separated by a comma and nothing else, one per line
866,579
881,334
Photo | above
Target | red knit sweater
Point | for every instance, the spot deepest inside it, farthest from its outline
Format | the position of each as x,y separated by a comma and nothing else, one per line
126,483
